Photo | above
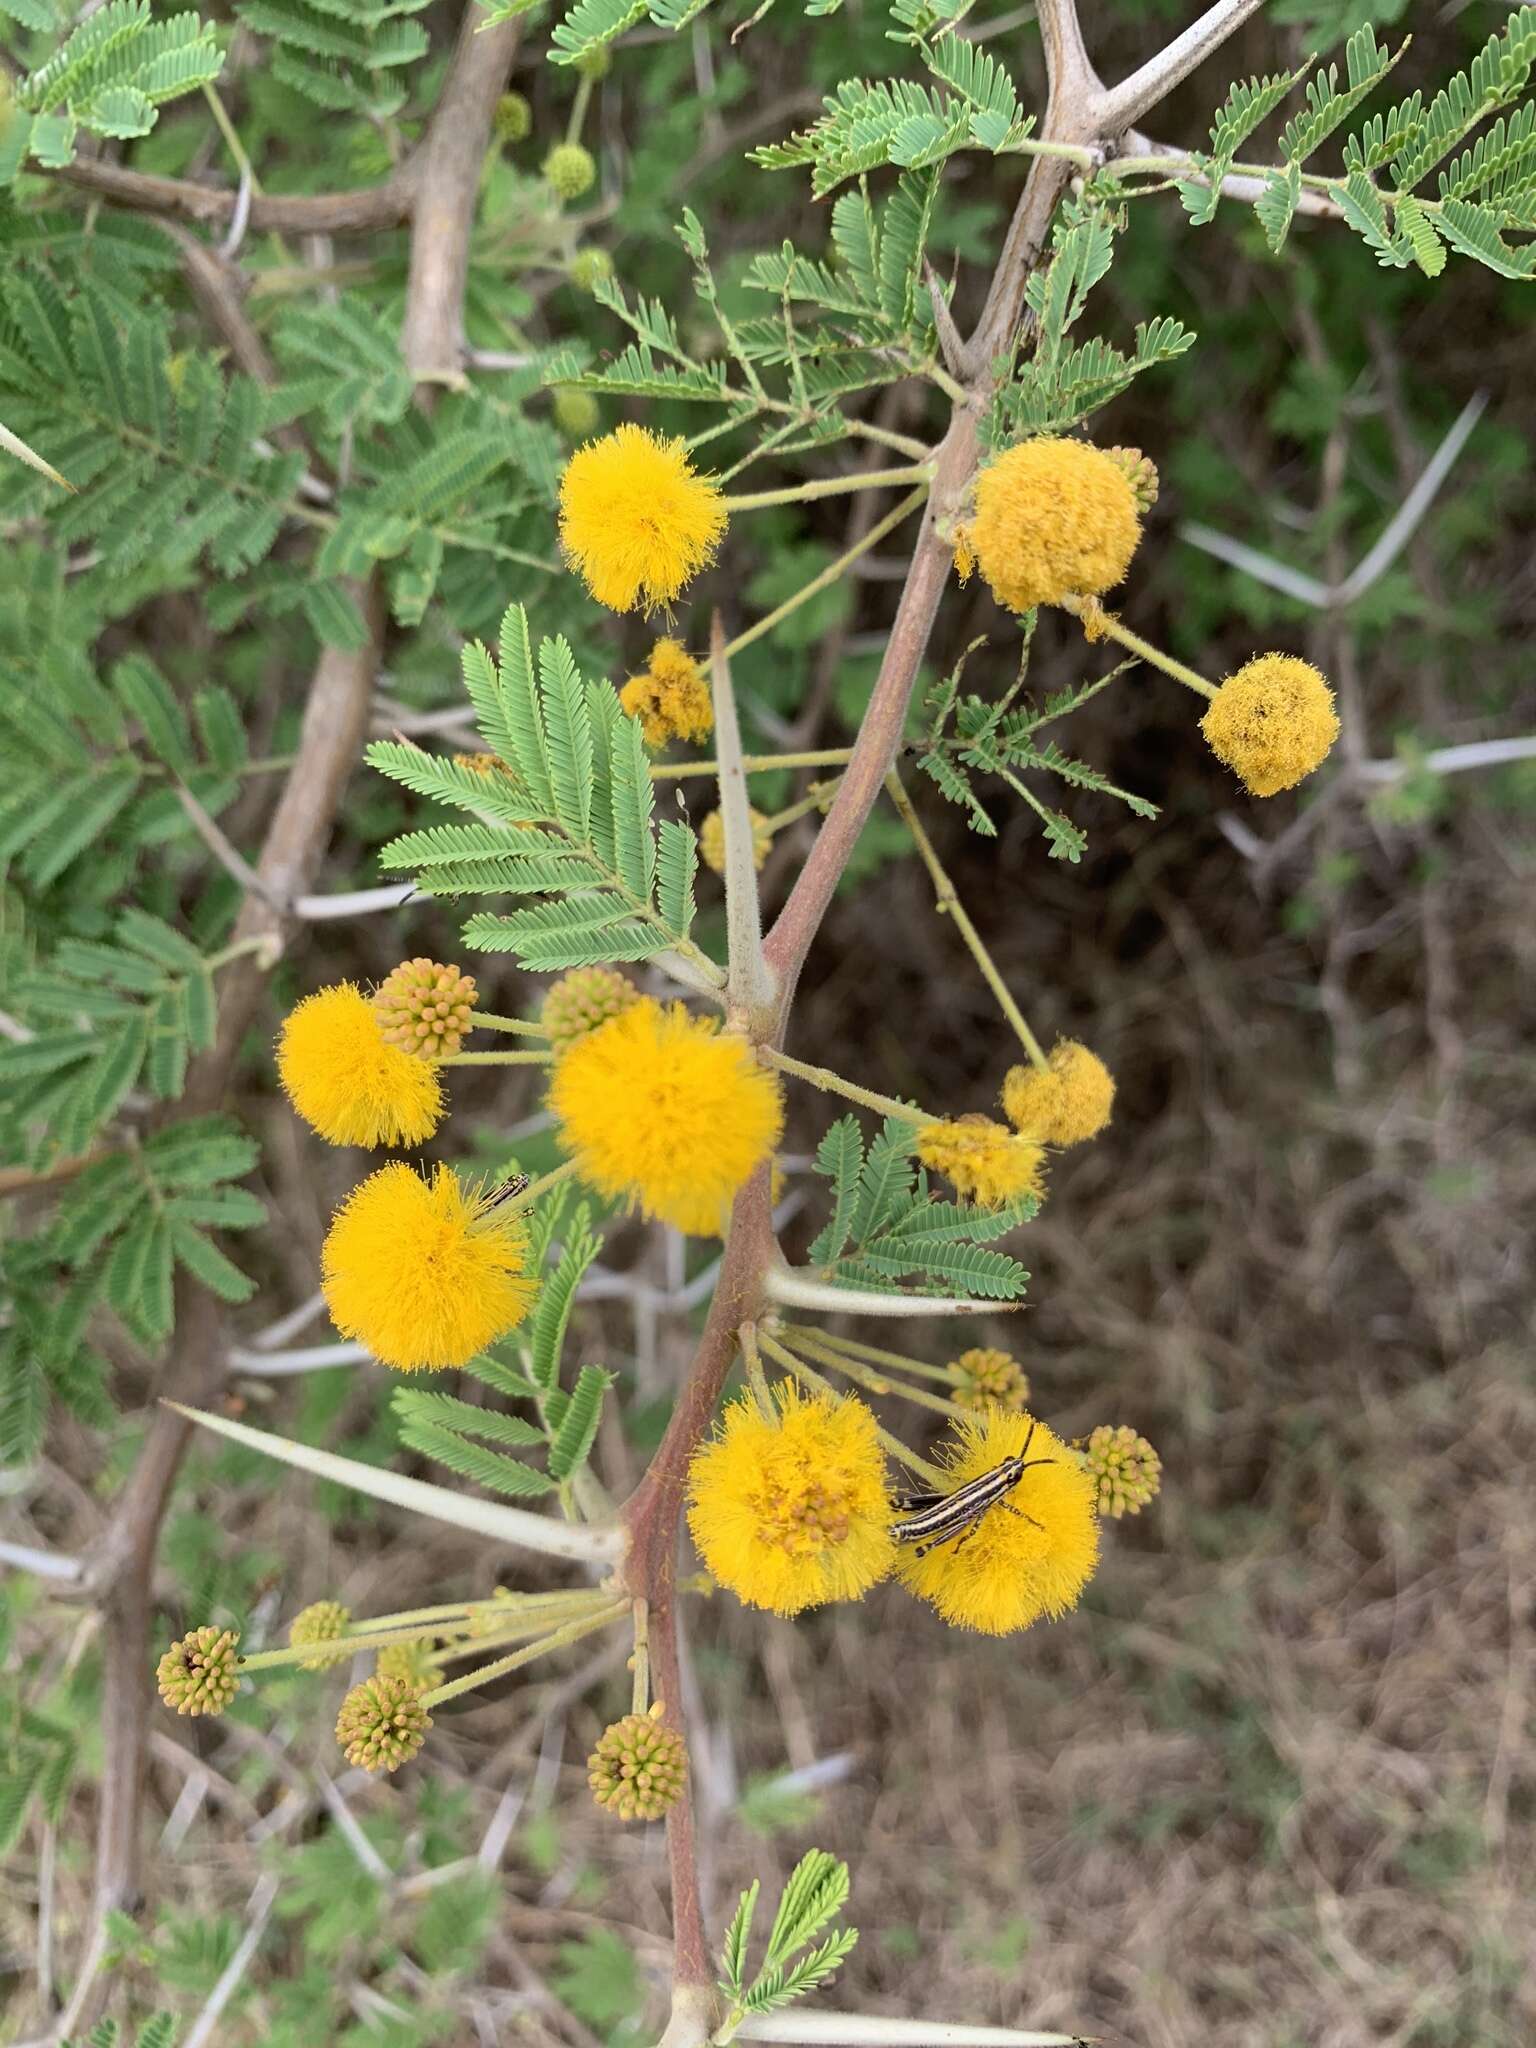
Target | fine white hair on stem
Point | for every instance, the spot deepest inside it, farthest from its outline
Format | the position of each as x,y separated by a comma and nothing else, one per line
796,1289
749,984
814,2029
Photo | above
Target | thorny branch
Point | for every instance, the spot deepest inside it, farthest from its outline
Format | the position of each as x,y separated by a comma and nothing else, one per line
1079,111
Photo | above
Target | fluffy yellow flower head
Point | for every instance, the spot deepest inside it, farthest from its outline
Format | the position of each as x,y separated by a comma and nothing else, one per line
346,1080
1013,1567
420,1273
635,520
712,840
670,696
1053,519
667,1109
792,1511
1272,723
984,1161
1064,1103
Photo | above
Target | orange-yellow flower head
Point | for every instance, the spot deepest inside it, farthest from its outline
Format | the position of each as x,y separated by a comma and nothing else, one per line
670,697
1053,519
347,1081
635,520
1272,723
791,1510
666,1109
1064,1102
712,840
420,1273
1015,1567
984,1162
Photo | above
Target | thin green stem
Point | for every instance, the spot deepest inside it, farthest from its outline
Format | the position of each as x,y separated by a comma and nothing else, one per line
496,1059
579,106
484,1673
1099,624
834,1084
236,950
830,574
757,1379
640,1662
810,1377
231,137
816,798
830,487
896,1360
875,1381
756,764
487,1020
949,905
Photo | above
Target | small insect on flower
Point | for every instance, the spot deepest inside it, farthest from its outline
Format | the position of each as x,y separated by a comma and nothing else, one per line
347,1081
670,697
425,1272
635,520
667,1109
1013,1539
984,1161
1272,722
791,1510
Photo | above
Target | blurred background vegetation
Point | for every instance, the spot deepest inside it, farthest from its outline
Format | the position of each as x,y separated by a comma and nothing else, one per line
1273,1786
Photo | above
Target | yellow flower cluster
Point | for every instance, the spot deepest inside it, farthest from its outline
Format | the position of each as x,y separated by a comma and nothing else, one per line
415,1270
1063,1103
581,1000
712,840
670,697
668,1110
790,1511
985,1162
985,1378
318,1628
382,1723
1027,1557
199,1674
425,1008
407,1661
639,1766
1272,722
635,520
345,1079
1054,519
1126,1472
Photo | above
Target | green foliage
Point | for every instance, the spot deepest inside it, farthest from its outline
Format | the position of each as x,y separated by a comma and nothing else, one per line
886,1228
565,817
447,1429
37,1763
109,76
967,735
345,55
812,1899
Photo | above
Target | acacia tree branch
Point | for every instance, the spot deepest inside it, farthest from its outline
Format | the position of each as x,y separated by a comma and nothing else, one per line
384,205
443,208
1123,105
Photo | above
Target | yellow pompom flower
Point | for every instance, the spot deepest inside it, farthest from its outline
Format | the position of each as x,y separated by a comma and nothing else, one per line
1053,519
1013,1567
666,1109
712,840
1272,722
425,1008
635,520
639,1767
382,1724
420,1273
983,1161
200,1674
318,1629
347,1081
670,697
1063,1103
986,1378
791,1511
